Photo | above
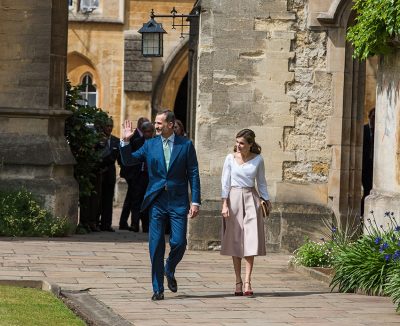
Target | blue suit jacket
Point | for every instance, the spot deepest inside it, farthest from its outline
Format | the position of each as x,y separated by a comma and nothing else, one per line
183,169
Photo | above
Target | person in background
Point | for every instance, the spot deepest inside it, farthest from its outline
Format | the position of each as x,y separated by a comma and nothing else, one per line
368,157
179,129
242,223
141,180
128,173
108,176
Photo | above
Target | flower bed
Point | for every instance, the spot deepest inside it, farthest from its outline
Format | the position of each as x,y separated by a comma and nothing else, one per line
369,264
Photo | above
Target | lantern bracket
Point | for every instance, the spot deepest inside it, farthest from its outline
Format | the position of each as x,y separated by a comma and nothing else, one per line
179,17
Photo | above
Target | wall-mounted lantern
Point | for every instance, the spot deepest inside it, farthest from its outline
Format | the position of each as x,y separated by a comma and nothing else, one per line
152,32
152,39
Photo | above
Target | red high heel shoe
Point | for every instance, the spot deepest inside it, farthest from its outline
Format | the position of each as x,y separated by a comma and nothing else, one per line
248,293
238,293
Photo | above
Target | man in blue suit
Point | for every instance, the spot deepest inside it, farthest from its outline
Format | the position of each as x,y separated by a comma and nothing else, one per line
172,165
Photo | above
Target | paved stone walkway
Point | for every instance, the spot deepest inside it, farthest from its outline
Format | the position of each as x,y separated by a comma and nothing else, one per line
115,267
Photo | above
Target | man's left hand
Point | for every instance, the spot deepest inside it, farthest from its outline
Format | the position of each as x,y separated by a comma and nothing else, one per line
194,211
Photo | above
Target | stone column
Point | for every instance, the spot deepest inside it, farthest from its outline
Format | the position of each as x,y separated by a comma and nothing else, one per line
33,151
385,195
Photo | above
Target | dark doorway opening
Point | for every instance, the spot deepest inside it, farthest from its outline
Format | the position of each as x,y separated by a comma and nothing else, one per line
181,105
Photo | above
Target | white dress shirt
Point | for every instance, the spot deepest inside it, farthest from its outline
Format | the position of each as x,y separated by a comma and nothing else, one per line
244,175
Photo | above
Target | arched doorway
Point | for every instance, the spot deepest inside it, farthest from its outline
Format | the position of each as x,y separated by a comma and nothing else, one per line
352,82
181,102
171,88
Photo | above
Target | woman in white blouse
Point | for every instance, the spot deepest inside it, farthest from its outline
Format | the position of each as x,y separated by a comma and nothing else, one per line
243,225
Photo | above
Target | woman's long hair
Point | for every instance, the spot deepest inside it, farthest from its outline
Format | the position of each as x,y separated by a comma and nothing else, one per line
249,136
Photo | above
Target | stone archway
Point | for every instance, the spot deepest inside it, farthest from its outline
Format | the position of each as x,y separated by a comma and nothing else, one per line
169,81
345,131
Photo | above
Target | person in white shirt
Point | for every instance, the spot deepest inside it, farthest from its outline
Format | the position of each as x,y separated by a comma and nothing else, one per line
242,224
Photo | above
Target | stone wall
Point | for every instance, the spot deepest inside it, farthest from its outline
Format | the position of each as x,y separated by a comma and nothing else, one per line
260,67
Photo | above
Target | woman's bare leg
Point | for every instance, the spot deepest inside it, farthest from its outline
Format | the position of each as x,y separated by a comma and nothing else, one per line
237,265
249,270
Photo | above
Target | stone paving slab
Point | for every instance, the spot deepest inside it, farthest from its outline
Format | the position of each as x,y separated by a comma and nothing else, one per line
115,269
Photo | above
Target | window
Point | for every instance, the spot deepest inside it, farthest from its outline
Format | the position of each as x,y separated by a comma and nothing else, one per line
89,91
87,6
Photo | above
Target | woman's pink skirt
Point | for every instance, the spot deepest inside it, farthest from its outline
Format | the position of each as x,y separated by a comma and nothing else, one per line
243,231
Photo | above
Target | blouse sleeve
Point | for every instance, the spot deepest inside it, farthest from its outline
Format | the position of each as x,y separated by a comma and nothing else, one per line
261,182
226,178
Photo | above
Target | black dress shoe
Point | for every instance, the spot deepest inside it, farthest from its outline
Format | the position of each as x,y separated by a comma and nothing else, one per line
172,284
134,228
157,296
109,229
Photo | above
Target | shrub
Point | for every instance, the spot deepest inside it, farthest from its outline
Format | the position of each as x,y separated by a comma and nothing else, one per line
83,130
21,215
366,264
392,287
314,254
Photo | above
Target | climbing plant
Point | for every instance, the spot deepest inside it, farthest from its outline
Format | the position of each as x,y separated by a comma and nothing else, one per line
376,28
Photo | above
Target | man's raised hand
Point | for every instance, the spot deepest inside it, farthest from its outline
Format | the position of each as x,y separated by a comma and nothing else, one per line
128,131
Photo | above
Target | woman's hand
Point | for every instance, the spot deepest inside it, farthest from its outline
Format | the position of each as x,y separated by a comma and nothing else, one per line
225,209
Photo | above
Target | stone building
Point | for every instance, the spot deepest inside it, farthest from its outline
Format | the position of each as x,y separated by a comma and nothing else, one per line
104,45
280,67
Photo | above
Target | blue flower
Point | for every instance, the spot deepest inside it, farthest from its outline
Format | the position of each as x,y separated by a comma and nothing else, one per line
397,229
378,240
387,257
383,247
334,229
396,255
398,243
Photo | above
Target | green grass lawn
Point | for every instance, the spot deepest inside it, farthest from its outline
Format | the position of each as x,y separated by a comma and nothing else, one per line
31,307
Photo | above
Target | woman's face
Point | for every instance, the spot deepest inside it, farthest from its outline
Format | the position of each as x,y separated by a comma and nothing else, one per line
177,129
242,146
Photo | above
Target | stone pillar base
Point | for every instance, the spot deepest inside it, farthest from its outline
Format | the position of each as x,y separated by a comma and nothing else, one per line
40,163
379,203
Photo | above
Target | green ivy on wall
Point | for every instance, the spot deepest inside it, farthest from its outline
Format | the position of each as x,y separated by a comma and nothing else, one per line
376,29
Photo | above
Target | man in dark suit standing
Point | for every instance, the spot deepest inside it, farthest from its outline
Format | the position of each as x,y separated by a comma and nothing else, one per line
172,165
141,180
368,157
129,173
108,176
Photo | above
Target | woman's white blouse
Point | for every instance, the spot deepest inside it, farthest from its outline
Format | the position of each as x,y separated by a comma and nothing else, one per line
244,175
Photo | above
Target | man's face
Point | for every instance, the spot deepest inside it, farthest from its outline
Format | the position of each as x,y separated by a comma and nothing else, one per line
108,130
163,127
148,133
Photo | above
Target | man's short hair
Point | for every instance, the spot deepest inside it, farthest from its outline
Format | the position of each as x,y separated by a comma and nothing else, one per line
140,122
147,125
169,115
110,122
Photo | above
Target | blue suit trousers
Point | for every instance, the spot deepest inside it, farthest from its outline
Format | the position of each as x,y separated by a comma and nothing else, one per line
160,212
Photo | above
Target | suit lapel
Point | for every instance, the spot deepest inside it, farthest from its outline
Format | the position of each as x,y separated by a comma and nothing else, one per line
175,150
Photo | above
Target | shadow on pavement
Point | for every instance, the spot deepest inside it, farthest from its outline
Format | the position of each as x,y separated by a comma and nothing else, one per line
256,295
